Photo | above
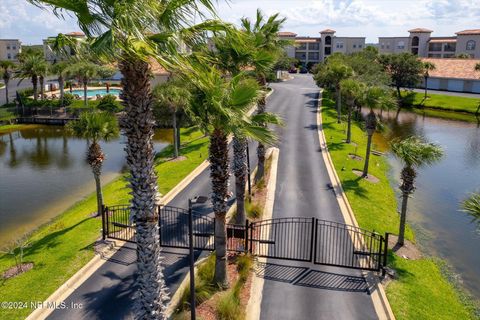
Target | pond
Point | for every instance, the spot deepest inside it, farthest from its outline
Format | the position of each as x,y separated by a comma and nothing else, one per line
43,172
434,210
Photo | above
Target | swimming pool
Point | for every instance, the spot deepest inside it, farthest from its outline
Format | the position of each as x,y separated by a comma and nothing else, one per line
94,92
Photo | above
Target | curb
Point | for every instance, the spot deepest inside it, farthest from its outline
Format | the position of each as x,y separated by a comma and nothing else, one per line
379,298
253,309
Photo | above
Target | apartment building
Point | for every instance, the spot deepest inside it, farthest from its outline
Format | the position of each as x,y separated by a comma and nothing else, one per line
315,49
51,56
420,42
9,49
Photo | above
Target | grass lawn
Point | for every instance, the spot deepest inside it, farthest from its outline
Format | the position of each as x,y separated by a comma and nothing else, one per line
10,127
61,247
443,102
421,291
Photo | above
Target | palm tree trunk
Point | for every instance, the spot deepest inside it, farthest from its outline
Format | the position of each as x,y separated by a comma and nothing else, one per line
349,122
218,156
408,175
175,139
61,84
6,80
339,104
367,156
261,108
403,219
179,142
426,84
35,87
85,100
95,158
42,87
240,171
138,126
96,174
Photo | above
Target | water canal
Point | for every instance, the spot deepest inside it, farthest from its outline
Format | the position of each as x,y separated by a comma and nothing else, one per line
43,172
434,211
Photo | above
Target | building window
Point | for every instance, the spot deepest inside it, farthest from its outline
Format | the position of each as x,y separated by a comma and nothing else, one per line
328,50
470,45
328,40
302,46
8,47
313,46
449,47
415,41
9,56
382,45
300,56
339,45
435,46
313,56
360,46
354,46
388,45
401,45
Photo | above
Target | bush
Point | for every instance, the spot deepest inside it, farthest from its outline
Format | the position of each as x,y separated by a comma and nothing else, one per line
68,99
109,103
254,210
228,306
24,93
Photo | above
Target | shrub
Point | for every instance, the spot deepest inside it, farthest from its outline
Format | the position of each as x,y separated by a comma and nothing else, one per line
109,103
254,210
68,99
228,306
25,92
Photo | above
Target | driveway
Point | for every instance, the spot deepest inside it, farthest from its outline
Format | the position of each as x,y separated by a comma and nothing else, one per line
297,290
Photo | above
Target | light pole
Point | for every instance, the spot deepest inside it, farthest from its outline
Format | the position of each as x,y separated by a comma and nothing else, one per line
191,202
248,171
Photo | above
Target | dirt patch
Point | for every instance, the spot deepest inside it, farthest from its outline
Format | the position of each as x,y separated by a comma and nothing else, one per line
17,270
407,251
355,157
177,159
369,177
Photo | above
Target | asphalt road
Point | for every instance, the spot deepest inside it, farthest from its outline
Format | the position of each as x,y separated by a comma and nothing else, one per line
13,86
297,290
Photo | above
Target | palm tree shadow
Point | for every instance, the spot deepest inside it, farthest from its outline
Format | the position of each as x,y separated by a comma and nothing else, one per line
354,185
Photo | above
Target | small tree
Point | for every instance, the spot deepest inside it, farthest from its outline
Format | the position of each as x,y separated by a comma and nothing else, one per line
16,249
414,152
174,96
84,72
427,67
404,70
95,126
352,91
31,65
61,69
6,71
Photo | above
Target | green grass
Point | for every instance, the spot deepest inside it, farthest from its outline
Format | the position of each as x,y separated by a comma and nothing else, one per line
422,290
442,102
62,247
11,127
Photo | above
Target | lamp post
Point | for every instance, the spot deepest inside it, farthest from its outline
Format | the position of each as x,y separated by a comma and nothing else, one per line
191,202
248,172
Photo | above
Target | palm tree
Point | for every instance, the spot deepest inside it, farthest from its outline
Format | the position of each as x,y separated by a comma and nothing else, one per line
84,71
472,206
125,35
330,75
43,70
219,106
31,65
61,69
414,152
351,90
373,98
175,97
263,38
427,67
6,70
95,126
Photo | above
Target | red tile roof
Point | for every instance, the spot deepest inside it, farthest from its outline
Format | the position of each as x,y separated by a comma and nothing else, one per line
286,34
328,31
157,69
454,68
76,34
420,30
471,31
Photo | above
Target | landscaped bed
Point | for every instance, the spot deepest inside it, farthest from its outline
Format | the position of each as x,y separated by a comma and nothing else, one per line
421,289
60,248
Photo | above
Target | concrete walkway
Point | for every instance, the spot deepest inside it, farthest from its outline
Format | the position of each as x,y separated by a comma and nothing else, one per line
296,290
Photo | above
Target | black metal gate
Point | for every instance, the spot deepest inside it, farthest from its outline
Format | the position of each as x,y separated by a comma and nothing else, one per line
302,239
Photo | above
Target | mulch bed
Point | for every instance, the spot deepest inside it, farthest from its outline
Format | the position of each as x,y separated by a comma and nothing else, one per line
369,177
355,157
407,251
17,270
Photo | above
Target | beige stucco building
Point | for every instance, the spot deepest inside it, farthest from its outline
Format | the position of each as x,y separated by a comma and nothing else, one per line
421,43
316,49
9,49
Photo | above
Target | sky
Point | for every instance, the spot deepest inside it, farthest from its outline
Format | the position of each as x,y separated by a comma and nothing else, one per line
368,18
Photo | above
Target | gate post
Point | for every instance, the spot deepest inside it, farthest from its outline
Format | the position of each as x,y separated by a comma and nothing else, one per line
312,237
385,254
246,236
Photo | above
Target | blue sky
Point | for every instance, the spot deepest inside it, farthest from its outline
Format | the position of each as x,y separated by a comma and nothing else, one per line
369,18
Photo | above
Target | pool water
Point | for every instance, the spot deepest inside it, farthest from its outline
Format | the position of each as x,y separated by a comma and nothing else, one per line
94,92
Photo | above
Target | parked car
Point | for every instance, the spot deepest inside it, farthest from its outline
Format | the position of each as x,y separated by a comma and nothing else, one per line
303,70
292,70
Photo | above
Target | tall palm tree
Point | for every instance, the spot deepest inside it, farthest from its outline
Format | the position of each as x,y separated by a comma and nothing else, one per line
351,90
131,32
331,74
6,70
427,67
95,127
414,152
31,65
219,106
175,97
62,70
84,71
263,36
373,98
43,69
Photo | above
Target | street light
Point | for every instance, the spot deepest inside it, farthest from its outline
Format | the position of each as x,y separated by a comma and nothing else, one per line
191,202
